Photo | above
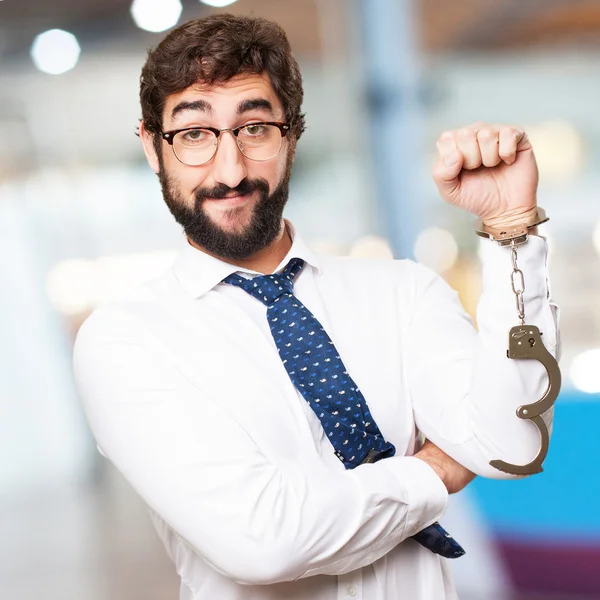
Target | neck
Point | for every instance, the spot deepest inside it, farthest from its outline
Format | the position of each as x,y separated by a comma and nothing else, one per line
264,261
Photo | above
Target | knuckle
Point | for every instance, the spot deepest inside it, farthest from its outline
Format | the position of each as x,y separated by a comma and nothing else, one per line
464,132
485,134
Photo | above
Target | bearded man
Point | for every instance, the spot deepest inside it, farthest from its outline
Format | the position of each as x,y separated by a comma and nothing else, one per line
266,402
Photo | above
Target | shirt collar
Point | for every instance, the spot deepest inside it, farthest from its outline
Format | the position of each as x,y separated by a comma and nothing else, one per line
199,272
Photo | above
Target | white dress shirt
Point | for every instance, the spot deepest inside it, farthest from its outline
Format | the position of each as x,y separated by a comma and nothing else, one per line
185,393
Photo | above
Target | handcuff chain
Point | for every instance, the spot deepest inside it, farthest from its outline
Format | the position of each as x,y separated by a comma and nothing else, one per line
517,282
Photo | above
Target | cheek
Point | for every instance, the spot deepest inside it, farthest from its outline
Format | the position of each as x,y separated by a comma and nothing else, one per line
186,179
272,171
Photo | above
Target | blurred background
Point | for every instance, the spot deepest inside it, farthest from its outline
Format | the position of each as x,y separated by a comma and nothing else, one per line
82,220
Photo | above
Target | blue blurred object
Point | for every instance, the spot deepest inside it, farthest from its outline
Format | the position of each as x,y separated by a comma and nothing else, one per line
548,526
558,502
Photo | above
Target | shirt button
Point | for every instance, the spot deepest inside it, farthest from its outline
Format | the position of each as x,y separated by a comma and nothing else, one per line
352,591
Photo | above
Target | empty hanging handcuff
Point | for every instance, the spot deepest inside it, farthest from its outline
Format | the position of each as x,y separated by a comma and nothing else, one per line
525,342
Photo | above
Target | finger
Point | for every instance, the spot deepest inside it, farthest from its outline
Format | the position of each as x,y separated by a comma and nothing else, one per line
509,138
449,165
487,139
466,142
447,147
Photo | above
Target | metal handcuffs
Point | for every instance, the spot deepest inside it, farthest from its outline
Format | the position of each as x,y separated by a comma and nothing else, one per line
525,342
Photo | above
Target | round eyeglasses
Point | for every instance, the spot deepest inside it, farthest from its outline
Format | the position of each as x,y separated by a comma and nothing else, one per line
195,146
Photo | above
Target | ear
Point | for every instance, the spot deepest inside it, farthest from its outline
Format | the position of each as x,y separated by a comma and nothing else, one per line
149,150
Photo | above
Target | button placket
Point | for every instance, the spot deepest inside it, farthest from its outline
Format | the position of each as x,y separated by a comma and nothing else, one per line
350,585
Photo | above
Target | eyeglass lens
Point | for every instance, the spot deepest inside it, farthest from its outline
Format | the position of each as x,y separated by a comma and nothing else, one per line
256,142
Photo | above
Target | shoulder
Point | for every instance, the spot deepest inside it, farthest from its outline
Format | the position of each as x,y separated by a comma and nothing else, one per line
397,271
128,317
404,282
107,331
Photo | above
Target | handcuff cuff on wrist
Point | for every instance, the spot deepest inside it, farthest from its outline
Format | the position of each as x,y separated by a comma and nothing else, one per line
525,342
509,236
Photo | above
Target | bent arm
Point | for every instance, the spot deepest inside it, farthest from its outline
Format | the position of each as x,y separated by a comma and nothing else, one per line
465,390
202,473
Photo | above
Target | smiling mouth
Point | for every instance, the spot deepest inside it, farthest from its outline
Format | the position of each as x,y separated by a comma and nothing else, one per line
230,200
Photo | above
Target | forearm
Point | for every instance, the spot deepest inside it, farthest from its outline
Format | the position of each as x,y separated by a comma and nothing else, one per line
349,526
255,516
520,381
466,397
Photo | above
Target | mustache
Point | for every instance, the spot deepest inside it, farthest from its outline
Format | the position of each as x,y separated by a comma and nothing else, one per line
244,188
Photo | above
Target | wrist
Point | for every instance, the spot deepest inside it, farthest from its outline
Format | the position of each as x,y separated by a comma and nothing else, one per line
436,463
511,228
512,219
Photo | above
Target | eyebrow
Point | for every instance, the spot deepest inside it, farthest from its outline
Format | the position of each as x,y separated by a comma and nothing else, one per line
253,104
200,105
203,106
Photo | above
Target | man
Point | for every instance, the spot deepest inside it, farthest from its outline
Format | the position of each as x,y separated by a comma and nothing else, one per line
267,402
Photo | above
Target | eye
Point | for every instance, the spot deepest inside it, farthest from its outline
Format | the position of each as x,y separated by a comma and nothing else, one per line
194,135
255,129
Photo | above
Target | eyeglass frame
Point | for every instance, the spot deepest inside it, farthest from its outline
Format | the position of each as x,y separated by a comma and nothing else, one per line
169,137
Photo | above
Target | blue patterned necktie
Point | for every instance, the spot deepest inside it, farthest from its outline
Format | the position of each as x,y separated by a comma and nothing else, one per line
318,373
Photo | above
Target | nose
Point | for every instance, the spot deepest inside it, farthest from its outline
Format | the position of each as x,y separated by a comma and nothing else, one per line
229,165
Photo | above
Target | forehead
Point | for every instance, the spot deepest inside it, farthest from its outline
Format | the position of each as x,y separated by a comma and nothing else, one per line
223,99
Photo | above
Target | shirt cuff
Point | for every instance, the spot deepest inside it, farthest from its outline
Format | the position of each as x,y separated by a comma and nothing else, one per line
531,259
427,495
497,307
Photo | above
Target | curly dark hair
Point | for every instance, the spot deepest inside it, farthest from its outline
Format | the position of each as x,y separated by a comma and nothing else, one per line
213,50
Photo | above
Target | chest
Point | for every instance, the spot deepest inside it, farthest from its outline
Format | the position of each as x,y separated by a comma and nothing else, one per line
223,345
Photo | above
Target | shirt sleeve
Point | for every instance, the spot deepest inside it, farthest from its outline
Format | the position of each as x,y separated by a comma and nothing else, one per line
465,390
203,474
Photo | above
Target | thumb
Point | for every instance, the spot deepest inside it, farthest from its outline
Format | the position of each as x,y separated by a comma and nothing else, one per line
446,171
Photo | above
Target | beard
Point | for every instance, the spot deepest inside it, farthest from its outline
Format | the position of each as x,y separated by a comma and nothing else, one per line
261,231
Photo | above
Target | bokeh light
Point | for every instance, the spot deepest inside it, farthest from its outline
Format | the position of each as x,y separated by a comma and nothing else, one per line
156,15
218,3
75,286
55,51
558,149
371,246
596,238
585,371
436,248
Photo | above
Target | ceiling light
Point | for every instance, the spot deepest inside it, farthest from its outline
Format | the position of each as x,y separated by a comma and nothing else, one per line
156,15
55,51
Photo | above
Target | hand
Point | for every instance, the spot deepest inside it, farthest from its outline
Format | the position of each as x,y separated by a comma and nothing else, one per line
454,476
490,171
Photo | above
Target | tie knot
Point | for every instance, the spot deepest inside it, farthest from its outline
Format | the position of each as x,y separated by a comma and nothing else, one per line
267,288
